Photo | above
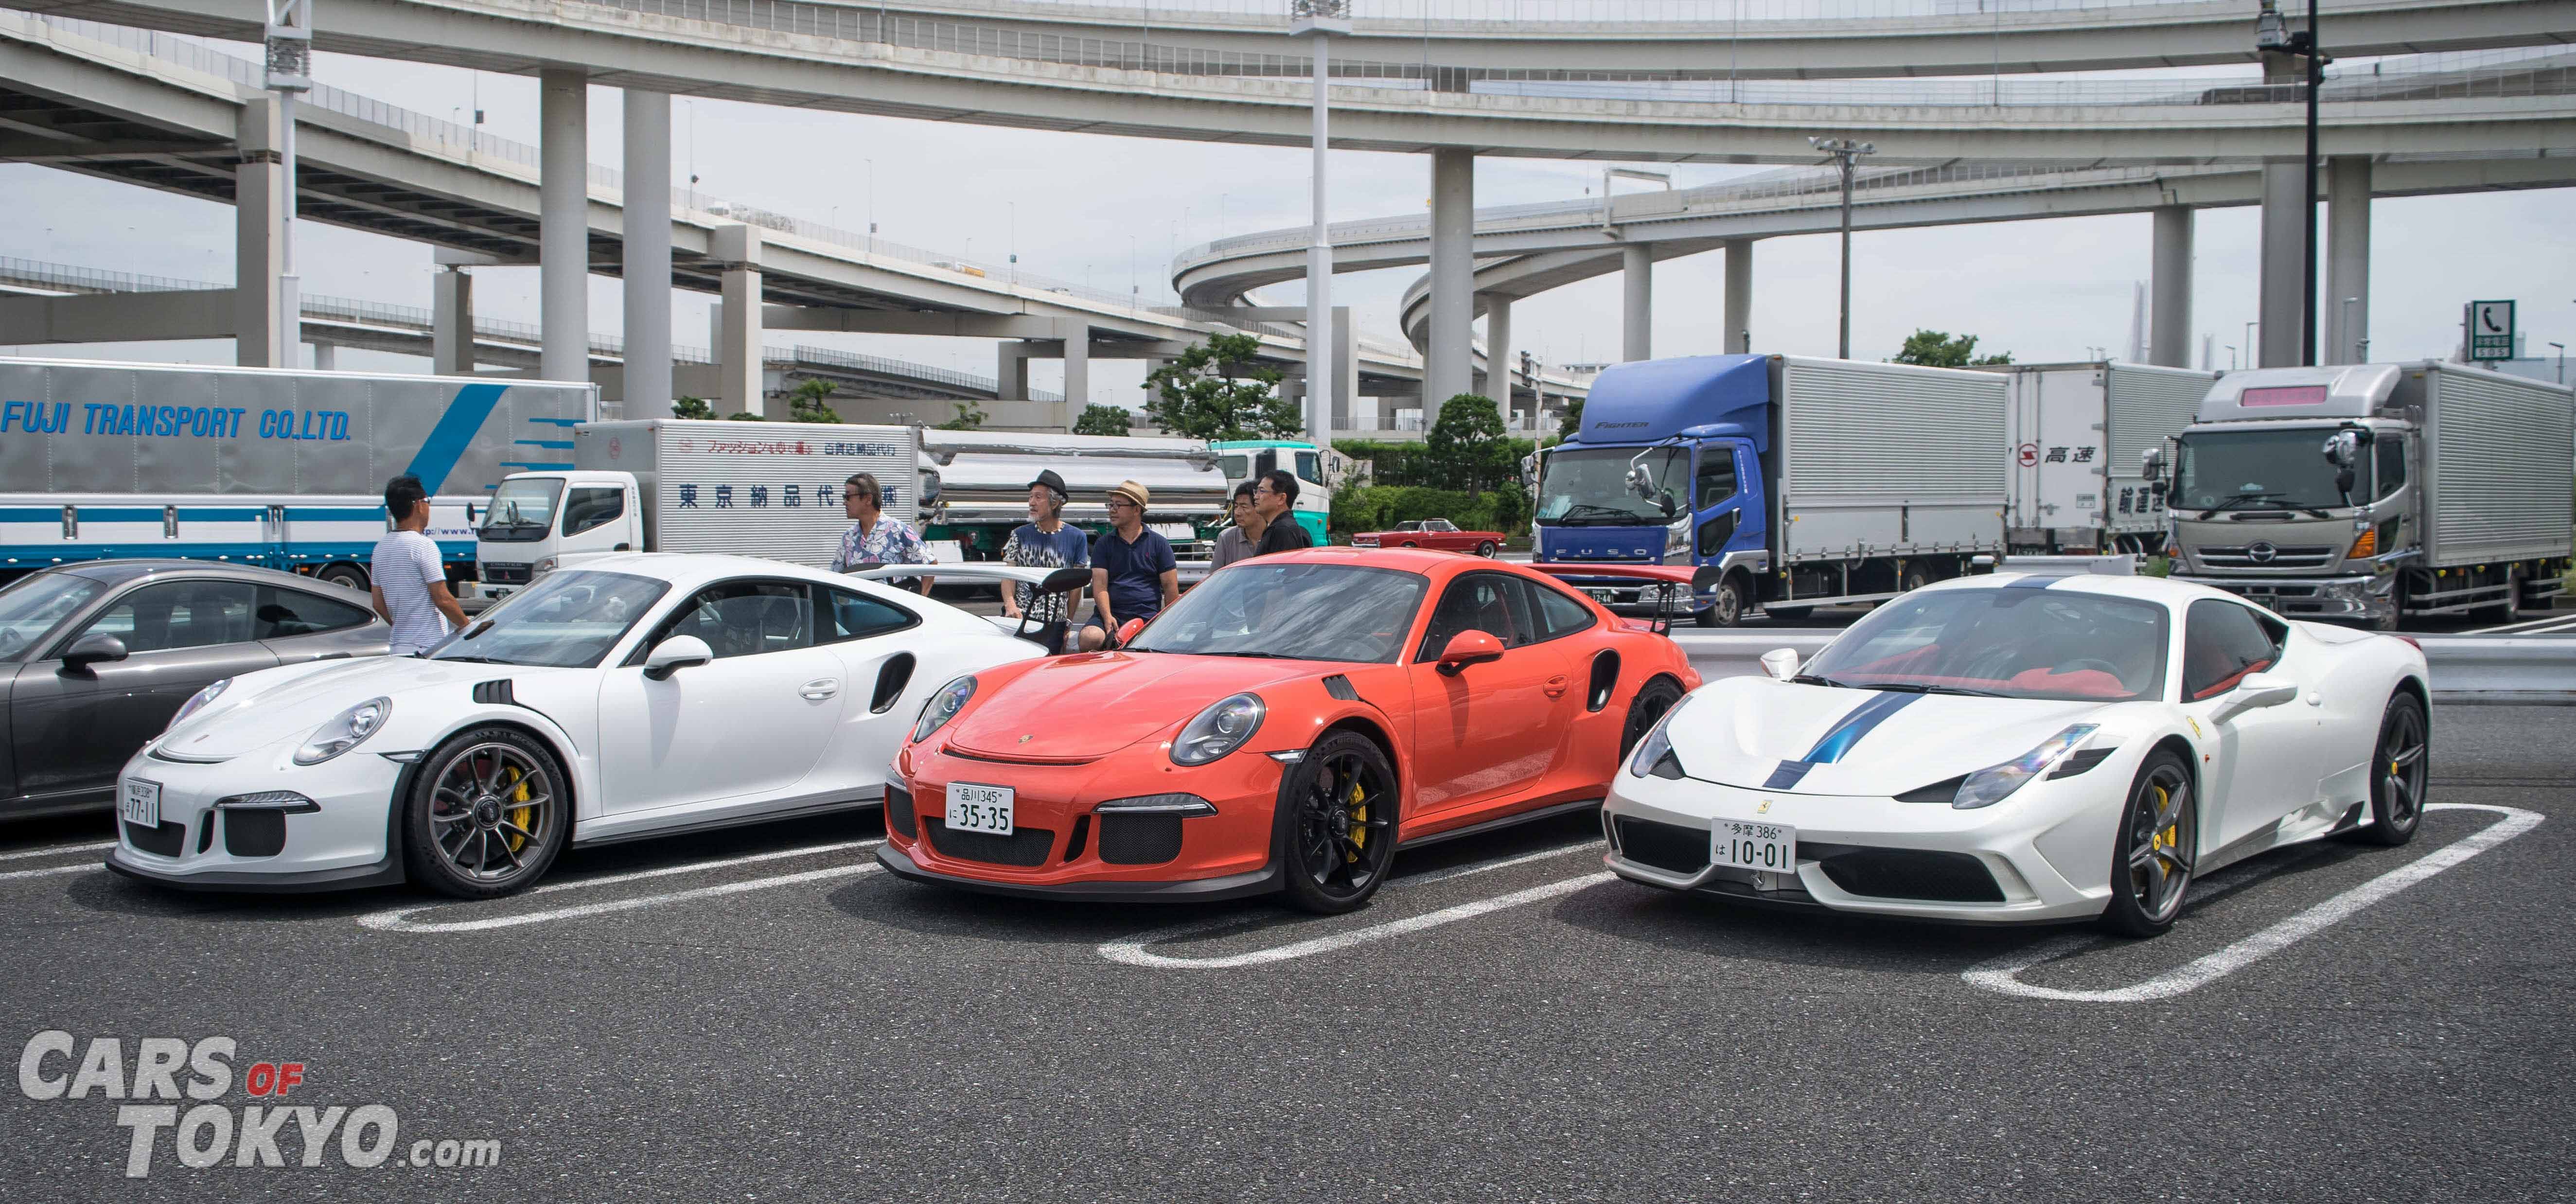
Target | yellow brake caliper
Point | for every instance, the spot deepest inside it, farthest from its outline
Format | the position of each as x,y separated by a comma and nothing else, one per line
1359,817
520,815
2172,833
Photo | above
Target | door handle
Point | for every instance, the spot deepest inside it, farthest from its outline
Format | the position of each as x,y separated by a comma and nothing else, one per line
1556,686
820,688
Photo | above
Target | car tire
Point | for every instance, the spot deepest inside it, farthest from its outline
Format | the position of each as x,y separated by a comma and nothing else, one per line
1653,699
1725,607
1486,549
2154,848
1407,544
1339,800
2400,769
485,815
346,576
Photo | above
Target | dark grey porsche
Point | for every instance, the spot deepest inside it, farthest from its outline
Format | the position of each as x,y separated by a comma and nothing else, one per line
95,658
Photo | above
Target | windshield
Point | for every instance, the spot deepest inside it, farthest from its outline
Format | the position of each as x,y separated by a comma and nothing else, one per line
2254,470
1589,486
1236,467
521,510
2009,642
568,620
34,605
1306,612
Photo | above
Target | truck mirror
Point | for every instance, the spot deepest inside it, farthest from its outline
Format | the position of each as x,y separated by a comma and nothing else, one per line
1641,482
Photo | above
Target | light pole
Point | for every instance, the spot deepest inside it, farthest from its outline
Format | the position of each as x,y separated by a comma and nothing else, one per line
2562,361
2270,37
1847,153
289,43
1317,21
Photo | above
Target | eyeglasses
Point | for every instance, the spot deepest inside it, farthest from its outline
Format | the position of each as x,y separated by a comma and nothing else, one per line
849,496
1130,503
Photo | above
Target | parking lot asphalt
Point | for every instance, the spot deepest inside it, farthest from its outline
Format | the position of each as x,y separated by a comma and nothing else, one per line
761,1013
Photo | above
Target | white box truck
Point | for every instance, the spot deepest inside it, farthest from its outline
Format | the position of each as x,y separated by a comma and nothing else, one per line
2074,437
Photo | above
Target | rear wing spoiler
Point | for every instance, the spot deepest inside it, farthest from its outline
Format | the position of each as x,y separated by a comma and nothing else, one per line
1700,578
1044,580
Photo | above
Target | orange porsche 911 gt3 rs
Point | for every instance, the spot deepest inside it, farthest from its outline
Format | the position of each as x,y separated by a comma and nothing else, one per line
1284,727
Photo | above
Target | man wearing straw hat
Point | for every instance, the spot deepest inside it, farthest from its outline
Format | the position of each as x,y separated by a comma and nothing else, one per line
1133,574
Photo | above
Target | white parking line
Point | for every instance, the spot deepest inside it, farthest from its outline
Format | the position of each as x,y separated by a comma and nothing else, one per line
1132,951
2540,626
52,870
2003,974
399,919
57,850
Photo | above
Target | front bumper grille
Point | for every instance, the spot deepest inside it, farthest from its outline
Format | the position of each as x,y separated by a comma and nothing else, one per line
496,573
163,841
254,831
1905,873
2306,556
1139,839
899,814
1023,847
1671,848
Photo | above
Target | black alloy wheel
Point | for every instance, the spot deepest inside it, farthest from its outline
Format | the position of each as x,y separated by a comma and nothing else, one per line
1335,834
2399,767
1655,698
2157,845
487,813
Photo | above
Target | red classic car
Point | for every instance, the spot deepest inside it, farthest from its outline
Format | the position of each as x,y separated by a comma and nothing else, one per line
1436,533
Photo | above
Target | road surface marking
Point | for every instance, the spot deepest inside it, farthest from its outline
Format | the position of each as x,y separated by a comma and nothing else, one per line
52,870
1132,951
2539,626
399,919
57,850
2003,974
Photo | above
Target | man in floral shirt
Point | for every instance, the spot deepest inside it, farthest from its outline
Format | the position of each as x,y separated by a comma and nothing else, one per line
876,537
1045,541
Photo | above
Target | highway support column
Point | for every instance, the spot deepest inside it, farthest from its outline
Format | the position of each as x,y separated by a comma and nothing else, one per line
2347,299
259,205
2283,254
646,238
736,252
563,225
1077,370
2169,288
1636,302
451,322
1448,371
1738,337
1497,383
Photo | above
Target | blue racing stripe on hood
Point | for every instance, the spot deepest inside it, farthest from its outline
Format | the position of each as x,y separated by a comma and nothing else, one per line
1856,725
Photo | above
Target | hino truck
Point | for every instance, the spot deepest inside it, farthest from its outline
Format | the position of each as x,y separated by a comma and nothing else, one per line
2074,438
270,467
768,489
2375,492
1782,483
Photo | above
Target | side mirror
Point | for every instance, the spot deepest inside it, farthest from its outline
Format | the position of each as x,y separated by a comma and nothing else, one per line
1127,630
1469,648
1780,663
91,649
674,654
2257,691
1641,482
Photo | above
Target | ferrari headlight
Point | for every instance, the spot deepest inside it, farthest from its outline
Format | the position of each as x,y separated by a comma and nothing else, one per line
942,707
197,702
347,730
1993,784
1655,754
1218,730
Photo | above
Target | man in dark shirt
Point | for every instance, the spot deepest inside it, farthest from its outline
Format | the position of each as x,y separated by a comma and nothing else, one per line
1275,499
1133,574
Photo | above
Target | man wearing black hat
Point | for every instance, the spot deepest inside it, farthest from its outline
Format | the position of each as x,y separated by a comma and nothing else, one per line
1044,542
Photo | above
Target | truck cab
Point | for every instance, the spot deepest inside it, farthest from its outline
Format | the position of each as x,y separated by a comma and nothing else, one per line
535,519
1317,469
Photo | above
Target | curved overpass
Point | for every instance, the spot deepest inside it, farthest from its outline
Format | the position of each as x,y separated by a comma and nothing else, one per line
844,58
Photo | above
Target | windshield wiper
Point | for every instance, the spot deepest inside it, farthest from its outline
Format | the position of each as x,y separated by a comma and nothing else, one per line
1810,679
1915,688
2232,502
1578,509
474,660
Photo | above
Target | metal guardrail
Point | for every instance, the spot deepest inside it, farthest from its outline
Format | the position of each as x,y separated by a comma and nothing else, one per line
2466,669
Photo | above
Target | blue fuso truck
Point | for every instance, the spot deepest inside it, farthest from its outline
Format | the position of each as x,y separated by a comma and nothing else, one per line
269,467
1785,483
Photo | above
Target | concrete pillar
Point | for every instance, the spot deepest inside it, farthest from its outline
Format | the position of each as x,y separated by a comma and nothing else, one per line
2169,302
735,250
563,225
259,205
1498,354
1346,368
1011,371
1077,368
1737,338
1448,371
2282,255
2347,298
1636,302
647,239
451,323
326,358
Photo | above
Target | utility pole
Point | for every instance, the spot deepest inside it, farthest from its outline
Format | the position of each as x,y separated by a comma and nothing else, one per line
289,43
1847,153
2270,36
1317,21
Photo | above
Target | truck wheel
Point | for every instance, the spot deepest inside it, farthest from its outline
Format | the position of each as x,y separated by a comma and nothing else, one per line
346,576
2509,610
1486,549
1725,607
1915,578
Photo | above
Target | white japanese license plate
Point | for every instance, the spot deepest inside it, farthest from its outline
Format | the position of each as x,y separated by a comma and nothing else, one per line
974,808
139,802
1751,846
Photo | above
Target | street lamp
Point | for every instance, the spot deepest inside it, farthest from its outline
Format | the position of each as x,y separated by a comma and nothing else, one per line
1318,21
289,45
1847,153
2562,361
2271,38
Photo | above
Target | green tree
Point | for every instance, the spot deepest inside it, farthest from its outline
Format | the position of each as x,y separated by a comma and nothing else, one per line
1216,390
969,417
1936,349
1572,422
744,416
811,403
1099,419
692,407
1470,443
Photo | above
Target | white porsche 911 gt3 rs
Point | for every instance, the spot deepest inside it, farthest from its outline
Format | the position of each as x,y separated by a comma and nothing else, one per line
2033,748
631,695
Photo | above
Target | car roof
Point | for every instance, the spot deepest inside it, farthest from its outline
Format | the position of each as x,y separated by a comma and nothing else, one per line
2175,594
685,569
1427,561
120,572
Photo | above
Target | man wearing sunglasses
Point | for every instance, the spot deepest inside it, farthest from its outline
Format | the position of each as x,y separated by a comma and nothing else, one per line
876,537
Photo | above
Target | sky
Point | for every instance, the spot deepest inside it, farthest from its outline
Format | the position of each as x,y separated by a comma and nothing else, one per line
1111,212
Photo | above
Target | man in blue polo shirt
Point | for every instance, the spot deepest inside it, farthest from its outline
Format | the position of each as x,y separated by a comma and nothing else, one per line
1133,574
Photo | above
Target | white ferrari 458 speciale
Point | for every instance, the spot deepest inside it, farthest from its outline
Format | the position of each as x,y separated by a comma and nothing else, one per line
628,695
2027,748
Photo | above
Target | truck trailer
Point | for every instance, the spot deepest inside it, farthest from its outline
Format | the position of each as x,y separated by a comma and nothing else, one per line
983,477
2375,492
277,468
2074,438
1786,483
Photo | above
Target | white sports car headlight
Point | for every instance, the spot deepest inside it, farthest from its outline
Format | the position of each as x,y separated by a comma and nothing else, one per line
197,702
942,707
1993,784
345,731
1218,730
1656,749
